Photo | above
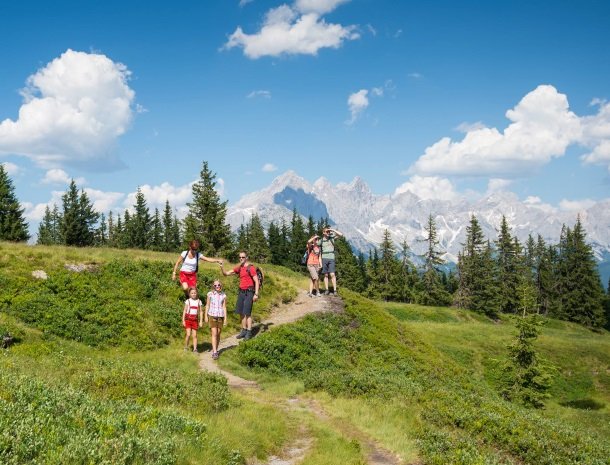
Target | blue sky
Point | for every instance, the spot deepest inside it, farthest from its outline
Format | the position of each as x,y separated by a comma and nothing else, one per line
446,99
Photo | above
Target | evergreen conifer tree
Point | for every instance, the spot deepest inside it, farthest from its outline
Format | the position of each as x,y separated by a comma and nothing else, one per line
156,231
141,223
432,290
111,229
372,271
13,226
348,271
582,291
408,278
127,236
526,378
167,232
45,228
389,269
258,248
607,306
507,259
206,220
78,218
101,234
298,240
275,243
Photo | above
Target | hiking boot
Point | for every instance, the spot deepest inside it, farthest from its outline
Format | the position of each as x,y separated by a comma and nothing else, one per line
242,334
335,293
248,335
309,294
215,355
326,292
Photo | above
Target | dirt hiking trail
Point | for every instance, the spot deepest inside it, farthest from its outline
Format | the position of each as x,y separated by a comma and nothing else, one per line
293,454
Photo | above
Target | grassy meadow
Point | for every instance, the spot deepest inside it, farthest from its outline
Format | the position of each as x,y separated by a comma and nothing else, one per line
97,375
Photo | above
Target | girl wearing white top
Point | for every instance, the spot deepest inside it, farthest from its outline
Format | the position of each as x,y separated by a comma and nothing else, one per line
190,316
189,265
216,314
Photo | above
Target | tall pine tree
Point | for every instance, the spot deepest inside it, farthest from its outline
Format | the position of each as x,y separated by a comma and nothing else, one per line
432,290
207,217
507,259
12,223
78,218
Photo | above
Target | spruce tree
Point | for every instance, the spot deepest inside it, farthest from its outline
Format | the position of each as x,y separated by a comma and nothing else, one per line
432,291
582,292
207,216
111,229
298,240
607,306
275,243
101,234
141,223
168,229
507,259
478,287
526,378
156,232
13,226
45,228
258,248
372,270
389,269
348,271
78,218
408,280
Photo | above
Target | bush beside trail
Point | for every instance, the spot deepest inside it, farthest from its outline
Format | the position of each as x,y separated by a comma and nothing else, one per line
367,354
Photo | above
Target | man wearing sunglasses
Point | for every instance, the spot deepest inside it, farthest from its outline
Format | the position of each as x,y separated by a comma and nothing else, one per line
248,293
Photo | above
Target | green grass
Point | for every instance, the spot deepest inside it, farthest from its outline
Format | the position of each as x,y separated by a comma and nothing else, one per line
440,364
97,374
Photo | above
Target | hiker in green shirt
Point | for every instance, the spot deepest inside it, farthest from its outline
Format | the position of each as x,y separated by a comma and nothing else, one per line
327,245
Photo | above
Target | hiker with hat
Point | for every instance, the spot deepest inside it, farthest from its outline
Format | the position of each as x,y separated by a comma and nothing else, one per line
313,265
248,292
327,247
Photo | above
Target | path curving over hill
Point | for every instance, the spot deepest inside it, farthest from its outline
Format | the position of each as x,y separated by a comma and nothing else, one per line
295,453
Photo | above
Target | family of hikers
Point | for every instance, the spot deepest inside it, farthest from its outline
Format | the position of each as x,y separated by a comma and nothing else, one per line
319,258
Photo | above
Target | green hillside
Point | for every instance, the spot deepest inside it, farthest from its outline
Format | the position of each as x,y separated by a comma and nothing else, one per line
97,375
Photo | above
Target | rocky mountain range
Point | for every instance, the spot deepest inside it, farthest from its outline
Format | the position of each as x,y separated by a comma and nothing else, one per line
363,216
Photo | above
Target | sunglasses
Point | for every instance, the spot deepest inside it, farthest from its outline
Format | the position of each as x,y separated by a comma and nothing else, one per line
242,256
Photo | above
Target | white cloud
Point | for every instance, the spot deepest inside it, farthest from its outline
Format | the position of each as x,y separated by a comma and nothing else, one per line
10,168
576,205
259,93
59,176
377,91
371,29
497,185
320,7
104,201
243,3
535,201
269,168
156,196
429,187
293,30
541,128
73,111
34,213
357,103
600,155
415,75
468,127
596,134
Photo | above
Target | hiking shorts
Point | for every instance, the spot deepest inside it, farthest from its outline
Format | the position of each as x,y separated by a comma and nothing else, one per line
328,266
216,321
189,278
191,322
313,271
245,298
